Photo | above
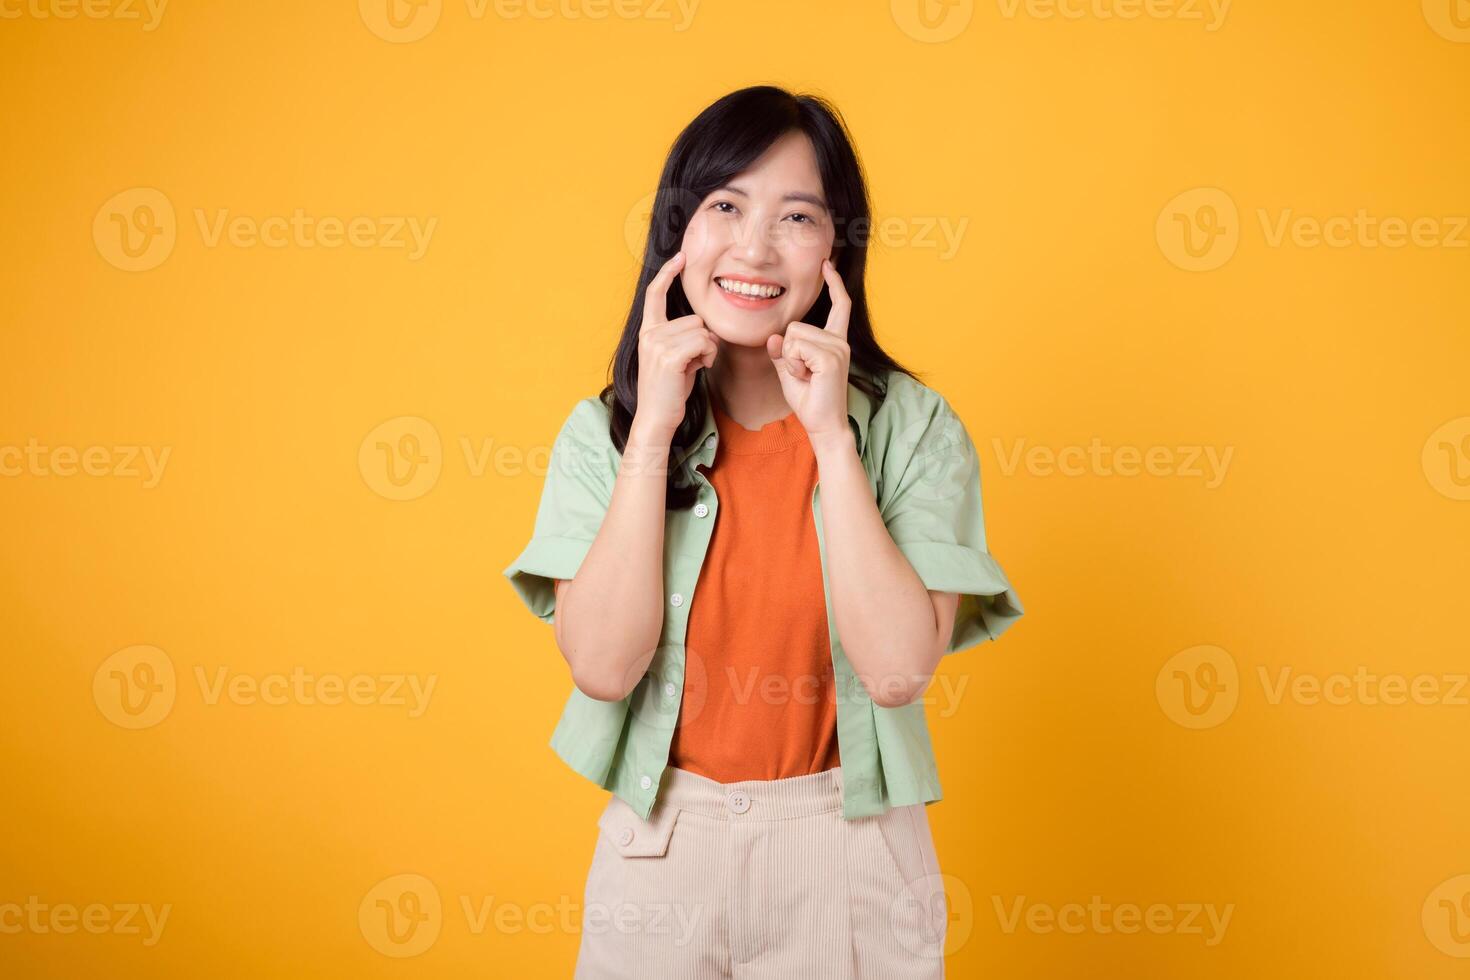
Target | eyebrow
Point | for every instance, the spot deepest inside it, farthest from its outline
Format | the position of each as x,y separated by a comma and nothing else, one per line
811,199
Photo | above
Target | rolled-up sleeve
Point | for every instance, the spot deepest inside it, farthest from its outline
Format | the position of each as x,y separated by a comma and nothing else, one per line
930,503
574,499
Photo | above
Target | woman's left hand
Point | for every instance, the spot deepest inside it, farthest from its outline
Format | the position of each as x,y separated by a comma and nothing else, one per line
812,364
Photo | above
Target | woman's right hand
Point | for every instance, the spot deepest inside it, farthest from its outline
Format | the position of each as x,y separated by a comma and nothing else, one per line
670,354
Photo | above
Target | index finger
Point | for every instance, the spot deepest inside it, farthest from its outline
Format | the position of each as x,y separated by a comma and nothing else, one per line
841,302
656,296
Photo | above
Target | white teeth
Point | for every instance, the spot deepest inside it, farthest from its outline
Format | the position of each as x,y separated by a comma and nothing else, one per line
749,289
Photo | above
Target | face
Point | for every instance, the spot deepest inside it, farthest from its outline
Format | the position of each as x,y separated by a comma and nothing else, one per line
766,231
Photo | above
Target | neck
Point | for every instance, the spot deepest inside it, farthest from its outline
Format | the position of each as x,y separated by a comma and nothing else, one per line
744,382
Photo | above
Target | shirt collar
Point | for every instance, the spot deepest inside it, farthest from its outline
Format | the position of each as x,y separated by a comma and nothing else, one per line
859,411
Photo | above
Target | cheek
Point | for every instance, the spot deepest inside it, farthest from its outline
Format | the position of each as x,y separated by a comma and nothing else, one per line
807,276
804,258
699,243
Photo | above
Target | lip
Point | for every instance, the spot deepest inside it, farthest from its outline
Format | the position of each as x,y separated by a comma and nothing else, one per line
748,302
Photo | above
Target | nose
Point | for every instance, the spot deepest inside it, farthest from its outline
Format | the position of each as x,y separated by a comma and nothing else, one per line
755,241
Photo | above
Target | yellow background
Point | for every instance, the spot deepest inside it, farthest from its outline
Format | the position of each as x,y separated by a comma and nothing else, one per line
1337,538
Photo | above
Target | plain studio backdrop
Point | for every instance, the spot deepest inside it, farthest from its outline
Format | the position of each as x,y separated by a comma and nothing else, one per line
295,297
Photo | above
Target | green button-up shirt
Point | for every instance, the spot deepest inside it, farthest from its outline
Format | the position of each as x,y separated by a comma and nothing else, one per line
925,475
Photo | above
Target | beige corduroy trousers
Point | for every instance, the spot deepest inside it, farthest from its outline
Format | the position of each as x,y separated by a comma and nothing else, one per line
761,880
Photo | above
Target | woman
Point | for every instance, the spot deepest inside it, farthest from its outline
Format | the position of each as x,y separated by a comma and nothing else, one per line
749,645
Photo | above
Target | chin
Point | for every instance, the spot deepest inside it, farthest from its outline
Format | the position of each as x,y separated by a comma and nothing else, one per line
743,332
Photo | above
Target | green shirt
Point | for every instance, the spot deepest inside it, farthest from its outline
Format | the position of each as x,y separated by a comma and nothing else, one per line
925,475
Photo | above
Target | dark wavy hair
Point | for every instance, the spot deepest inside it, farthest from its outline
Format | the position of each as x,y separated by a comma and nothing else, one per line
723,141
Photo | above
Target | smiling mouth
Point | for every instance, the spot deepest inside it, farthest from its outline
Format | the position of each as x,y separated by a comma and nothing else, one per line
749,290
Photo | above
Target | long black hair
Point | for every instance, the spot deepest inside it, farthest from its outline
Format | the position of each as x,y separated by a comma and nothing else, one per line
724,140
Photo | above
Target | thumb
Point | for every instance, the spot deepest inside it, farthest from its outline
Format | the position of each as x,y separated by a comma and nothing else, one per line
773,348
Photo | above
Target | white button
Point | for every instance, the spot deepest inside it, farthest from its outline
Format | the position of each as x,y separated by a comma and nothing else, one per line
676,599
738,801
709,442
701,510
626,837
645,782
669,688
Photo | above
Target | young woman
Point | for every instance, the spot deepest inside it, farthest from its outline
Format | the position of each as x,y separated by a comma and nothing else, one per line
755,546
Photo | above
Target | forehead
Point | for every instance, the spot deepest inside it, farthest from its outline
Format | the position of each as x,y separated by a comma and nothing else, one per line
789,163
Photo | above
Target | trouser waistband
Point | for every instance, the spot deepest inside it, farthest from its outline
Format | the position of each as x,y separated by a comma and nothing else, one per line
753,799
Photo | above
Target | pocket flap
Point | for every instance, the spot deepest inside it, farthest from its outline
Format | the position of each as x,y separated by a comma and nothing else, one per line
631,834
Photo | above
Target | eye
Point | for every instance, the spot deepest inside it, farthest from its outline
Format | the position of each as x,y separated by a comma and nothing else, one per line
805,218
718,204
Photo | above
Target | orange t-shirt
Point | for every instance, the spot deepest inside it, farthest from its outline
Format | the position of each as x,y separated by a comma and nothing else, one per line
758,697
